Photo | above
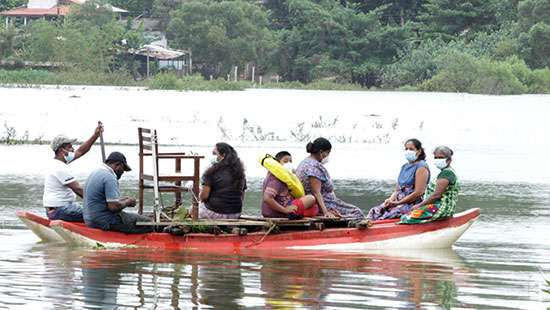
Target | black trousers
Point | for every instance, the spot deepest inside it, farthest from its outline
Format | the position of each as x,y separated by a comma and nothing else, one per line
129,226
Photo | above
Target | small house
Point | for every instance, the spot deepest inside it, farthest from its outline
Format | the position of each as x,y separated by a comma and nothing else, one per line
45,9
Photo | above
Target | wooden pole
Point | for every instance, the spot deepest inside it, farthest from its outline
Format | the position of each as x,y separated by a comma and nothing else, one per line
102,144
196,190
147,65
253,72
236,70
190,62
246,71
260,80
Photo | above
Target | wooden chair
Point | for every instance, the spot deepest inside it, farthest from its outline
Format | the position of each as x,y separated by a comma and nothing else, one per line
172,182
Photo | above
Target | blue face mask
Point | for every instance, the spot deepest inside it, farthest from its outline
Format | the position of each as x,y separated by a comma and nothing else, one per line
410,155
69,157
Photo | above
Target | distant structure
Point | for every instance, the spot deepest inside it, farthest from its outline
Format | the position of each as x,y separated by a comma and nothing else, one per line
46,9
180,61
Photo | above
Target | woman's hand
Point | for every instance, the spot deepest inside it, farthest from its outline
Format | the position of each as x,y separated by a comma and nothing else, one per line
332,213
391,204
291,209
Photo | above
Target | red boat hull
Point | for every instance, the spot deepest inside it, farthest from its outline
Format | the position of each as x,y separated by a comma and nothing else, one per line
382,235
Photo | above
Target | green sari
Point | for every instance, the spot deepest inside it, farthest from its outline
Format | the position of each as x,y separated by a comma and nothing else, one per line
439,209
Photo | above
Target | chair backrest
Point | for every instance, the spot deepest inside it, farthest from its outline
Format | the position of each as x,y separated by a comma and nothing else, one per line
145,141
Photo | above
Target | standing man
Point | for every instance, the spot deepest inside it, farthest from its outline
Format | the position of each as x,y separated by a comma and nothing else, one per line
60,186
102,202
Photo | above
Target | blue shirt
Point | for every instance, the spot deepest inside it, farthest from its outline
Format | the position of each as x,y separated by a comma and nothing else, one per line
101,187
407,175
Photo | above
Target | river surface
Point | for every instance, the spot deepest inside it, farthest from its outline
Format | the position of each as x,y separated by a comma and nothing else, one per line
501,149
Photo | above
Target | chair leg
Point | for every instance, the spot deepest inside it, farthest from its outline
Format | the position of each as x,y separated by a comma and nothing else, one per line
140,209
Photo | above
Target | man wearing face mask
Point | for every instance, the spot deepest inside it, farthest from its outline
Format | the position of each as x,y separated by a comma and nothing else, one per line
60,186
103,204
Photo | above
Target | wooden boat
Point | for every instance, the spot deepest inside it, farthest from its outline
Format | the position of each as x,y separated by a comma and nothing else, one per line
381,235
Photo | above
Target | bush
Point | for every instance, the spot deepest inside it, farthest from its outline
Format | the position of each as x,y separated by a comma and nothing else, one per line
194,82
164,81
73,77
496,78
456,73
24,76
460,72
539,81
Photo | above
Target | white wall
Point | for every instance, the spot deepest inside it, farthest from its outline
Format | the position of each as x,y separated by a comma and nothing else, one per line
41,4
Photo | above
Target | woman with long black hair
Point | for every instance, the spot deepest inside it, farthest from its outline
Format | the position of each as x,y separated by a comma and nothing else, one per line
223,185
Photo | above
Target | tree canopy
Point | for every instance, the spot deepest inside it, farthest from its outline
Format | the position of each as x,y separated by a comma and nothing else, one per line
497,46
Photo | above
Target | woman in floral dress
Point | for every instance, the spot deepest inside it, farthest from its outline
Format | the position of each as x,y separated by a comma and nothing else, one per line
442,193
316,180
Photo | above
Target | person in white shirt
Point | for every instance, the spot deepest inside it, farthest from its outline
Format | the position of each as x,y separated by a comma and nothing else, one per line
60,186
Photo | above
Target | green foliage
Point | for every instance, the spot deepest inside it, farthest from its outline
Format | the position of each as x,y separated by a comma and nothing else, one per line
7,41
315,85
534,23
448,19
169,81
535,45
70,77
460,72
24,76
392,12
161,11
493,46
42,42
419,62
327,40
10,4
222,35
531,12
88,39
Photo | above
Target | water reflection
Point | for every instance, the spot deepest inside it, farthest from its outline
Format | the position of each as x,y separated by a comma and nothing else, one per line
137,278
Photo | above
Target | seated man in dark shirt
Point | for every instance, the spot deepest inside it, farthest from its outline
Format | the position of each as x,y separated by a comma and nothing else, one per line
103,204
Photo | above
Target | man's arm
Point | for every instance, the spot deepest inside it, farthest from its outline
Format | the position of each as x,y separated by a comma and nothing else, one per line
117,206
86,146
76,188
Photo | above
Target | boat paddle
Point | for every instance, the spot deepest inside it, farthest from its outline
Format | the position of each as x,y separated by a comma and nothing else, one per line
102,144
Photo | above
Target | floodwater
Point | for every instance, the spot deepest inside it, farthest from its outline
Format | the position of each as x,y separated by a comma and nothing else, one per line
501,262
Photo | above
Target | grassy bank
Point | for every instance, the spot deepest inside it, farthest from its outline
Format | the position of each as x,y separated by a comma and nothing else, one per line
502,80
36,77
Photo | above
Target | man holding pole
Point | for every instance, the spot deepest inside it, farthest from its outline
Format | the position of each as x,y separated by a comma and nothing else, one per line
60,186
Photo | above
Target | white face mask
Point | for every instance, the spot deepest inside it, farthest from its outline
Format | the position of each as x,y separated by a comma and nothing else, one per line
69,157
440,163
410,155
214,160
289,167
325,160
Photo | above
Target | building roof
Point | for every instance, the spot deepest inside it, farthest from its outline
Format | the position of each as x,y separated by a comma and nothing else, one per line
56,10
158,52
